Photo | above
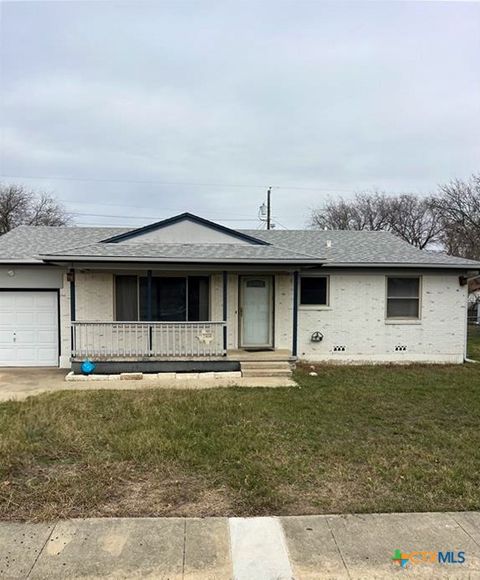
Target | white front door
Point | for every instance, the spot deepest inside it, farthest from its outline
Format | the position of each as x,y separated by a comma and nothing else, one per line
256,314
28,329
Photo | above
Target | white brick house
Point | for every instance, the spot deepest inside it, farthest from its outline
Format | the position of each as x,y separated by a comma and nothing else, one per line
186,293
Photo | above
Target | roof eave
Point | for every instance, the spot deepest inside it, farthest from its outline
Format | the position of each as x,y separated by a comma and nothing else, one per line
176,260
460,266
23,261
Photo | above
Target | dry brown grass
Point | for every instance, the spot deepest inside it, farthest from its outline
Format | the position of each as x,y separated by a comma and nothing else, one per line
352,439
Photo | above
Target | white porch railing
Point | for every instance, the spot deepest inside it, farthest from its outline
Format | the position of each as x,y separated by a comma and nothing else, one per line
147,339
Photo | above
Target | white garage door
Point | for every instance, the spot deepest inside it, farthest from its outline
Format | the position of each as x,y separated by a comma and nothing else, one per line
28,329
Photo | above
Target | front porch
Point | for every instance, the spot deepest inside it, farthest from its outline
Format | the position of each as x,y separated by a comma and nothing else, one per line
162,342
101,340
184,322
169,346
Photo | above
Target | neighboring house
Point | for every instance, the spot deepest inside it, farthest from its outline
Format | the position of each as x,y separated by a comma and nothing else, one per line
186,293
474,301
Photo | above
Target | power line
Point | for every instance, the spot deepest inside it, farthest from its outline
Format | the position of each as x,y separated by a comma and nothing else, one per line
176,183
120,205
275,221
150,217
117,180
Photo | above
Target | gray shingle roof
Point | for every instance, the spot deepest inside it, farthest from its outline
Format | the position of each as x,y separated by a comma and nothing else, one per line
358,247
190,252
27,243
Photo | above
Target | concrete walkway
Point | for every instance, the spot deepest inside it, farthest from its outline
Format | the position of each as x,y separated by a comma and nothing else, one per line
19,383
311,547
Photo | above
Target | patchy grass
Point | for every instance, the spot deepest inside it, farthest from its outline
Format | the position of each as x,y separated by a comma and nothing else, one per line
473,346
361,439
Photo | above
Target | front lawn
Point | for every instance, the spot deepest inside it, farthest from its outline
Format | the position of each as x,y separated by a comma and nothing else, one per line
473,347
361,439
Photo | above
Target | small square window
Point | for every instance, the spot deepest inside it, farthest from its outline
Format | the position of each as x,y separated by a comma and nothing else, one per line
314,290
403,297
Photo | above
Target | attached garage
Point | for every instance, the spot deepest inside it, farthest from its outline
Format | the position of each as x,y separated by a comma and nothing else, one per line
28,328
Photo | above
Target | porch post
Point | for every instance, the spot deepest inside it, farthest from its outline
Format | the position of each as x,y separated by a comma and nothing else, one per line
225,293
295,314
71,278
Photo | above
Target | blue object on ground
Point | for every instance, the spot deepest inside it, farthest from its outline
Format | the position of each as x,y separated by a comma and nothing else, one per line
87,367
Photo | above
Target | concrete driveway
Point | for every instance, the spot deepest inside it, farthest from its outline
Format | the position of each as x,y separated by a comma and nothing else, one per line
20,383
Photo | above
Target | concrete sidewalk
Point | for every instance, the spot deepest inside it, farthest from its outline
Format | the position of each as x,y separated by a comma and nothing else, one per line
19,383
311,547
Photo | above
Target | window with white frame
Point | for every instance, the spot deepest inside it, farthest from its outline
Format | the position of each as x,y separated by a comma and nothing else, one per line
403,297
314,291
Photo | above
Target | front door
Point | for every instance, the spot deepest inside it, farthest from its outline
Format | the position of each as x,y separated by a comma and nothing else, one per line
256,312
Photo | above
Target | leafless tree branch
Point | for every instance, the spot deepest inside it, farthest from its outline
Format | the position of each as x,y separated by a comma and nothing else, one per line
408,216
19,206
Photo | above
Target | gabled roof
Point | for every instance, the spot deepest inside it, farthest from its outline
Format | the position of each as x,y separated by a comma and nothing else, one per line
235,234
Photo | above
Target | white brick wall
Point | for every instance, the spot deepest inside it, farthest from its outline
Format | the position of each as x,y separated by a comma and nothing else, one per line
216,305
93,301
355,318
283,311
65,337
216,297
94,296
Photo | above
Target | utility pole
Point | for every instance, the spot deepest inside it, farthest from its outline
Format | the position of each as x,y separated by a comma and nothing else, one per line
265,211
269,191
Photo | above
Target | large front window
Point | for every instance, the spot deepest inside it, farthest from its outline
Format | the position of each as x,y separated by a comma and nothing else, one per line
163,298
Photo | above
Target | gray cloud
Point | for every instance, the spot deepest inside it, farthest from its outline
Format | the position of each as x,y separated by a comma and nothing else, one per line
333,96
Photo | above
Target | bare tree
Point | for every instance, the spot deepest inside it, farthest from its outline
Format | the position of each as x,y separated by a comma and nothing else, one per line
20,206
411,218
459,208
366,211
335,215
414,219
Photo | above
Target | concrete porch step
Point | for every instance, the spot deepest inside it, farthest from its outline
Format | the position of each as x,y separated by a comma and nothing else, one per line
265,364
266,368
267,372
281,355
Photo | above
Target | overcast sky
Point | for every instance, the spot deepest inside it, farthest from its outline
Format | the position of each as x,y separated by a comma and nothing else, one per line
148,109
